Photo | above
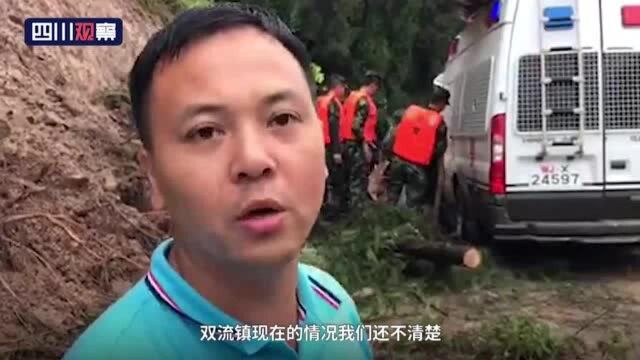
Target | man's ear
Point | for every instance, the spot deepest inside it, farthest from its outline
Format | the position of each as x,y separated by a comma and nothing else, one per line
156,197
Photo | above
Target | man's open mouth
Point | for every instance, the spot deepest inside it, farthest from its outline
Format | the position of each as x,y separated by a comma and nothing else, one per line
260,209
257,213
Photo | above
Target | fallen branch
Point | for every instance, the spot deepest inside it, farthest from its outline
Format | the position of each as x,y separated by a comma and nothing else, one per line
442,252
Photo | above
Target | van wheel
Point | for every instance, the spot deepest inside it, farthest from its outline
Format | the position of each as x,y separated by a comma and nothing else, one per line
466,225
448,217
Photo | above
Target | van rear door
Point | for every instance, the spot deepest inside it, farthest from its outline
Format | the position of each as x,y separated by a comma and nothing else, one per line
621,105
575,182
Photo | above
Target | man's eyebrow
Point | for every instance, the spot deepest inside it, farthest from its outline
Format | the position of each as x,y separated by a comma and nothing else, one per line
279,96
198,109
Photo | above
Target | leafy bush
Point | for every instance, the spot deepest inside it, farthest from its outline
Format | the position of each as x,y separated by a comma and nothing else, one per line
357,253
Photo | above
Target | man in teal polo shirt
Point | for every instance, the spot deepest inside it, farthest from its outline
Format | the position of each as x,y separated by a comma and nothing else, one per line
234,152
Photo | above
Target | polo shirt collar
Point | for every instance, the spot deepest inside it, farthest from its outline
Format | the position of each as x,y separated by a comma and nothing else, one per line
183,299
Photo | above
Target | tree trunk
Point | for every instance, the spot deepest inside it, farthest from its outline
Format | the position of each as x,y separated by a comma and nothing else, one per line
442,253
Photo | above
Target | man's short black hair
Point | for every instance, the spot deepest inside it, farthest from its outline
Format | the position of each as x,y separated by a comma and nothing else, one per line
335,80
193,25
373,77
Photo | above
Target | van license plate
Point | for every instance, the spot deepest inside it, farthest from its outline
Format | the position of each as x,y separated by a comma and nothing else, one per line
555,175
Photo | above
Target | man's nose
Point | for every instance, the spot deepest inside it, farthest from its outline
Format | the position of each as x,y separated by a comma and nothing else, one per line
252,159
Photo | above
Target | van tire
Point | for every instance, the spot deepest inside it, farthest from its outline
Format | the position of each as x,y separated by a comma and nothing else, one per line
466,224
448,216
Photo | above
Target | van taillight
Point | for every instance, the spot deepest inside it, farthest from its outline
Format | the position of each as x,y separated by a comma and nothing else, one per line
497,173
453,48
631,15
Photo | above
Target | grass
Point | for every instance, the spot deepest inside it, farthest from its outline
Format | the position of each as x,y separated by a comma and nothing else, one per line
375,275
356,251
519,338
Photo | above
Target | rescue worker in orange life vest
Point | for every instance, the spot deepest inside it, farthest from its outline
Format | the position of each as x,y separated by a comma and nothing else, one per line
358,134
414,149
329,108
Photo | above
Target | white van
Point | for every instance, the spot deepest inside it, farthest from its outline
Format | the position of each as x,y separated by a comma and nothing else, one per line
544,122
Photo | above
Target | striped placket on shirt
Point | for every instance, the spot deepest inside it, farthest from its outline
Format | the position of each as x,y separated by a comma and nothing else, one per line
155,287
324,293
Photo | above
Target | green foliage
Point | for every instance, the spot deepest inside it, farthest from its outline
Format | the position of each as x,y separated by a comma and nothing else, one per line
316,72
358,253
186,4
519,338
405,40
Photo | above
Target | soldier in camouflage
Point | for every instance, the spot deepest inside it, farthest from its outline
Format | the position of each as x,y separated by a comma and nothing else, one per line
330,111
418,181
359,122
382,128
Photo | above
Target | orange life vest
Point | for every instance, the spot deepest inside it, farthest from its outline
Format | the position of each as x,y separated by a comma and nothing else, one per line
349,114
415,136
322,107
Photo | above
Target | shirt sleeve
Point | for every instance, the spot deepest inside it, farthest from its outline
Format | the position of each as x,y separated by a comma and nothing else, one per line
362,113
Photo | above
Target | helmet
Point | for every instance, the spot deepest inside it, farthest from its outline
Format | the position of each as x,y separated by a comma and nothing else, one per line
440,89
439,82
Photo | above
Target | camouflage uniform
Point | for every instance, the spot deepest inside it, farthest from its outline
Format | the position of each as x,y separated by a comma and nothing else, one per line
382,128
419,181
336,181
355,157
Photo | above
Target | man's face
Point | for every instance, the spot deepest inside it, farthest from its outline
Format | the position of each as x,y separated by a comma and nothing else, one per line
234,126
340,91
373,88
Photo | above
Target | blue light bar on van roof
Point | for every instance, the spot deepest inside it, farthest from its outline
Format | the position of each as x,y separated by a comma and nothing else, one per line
558,18
496,9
